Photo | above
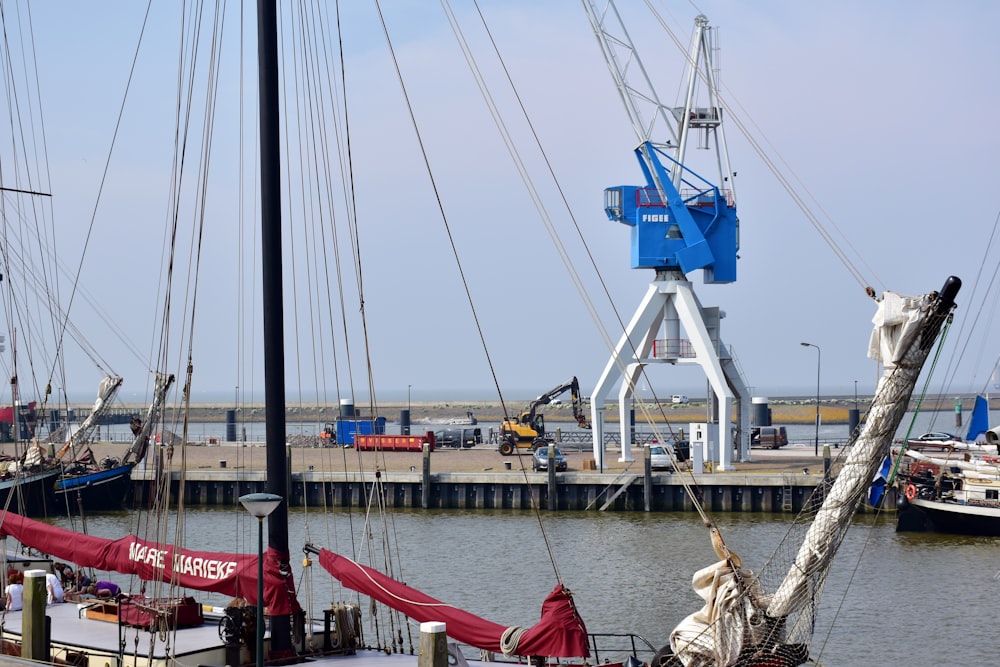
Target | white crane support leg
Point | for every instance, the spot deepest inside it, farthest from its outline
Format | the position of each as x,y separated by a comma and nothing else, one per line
631,354
625,393
646,319
739,387
707,356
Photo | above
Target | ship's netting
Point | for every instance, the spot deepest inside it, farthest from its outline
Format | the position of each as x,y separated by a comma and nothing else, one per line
768,618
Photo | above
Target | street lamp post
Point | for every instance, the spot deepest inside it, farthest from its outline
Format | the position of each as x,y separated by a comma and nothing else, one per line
819,355
408,387
855,394
260,505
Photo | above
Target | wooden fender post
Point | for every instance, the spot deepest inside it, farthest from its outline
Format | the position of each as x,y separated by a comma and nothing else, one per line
34,645
433,650
425,496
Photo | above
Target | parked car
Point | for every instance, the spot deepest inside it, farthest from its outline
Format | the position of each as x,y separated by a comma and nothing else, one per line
540,459
659,459
937,436
771,437
935,440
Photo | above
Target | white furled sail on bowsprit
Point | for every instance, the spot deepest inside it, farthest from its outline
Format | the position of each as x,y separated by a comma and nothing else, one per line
742,623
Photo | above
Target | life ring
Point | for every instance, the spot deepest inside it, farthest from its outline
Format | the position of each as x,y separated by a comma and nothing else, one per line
910,492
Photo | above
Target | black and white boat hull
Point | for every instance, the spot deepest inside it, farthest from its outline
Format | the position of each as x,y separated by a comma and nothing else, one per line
921,515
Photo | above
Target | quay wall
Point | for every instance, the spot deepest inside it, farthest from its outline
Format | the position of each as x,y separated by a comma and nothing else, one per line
568,491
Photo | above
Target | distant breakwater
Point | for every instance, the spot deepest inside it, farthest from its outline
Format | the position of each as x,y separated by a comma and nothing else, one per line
786,411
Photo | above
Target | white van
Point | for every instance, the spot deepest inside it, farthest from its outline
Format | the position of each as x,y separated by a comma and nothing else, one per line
678,398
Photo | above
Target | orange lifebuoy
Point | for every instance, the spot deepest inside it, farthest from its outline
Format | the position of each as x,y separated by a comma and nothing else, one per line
911,492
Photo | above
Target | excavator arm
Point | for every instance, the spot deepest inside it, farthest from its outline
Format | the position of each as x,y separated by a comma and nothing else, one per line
528,428
573,386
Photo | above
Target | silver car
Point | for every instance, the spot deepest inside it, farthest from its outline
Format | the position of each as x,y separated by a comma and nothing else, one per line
540,459
659,459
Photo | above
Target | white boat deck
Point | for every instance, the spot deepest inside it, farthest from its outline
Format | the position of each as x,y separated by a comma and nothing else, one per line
98,641
72,632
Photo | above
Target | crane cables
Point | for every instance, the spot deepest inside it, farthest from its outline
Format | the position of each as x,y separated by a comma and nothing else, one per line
689,485
792,185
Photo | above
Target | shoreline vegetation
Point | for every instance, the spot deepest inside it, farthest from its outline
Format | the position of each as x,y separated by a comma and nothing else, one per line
791,411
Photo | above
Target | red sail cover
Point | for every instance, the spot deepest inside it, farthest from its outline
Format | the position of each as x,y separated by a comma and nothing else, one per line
559,634
230,574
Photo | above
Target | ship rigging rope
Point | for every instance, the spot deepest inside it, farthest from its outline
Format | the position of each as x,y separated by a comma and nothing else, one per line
93,217
920,400
689,485
307,76
983,302
454,249
40,278
792,191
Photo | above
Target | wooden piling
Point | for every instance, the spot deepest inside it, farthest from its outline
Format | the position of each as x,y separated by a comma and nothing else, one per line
433,647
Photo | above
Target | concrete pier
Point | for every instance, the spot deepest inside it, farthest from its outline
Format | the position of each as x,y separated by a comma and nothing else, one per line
571,491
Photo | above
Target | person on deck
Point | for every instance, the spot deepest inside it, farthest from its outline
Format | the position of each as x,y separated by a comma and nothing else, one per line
106,589
82,582
65,574
54,589
15,592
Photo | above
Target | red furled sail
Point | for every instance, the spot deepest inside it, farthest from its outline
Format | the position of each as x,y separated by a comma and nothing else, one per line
559,634
229,574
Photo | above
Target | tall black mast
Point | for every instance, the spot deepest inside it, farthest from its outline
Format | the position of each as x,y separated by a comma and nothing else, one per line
274,339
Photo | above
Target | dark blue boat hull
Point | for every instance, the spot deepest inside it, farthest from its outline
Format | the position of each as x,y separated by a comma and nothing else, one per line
93,491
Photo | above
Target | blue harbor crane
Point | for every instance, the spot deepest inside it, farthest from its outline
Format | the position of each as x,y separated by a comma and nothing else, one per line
694,228
680,222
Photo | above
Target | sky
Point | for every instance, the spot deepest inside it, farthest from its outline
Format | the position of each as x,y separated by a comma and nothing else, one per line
879,114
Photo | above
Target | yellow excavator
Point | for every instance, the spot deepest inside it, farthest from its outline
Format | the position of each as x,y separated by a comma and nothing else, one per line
527,430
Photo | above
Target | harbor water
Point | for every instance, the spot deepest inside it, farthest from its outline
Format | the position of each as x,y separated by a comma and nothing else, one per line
890,598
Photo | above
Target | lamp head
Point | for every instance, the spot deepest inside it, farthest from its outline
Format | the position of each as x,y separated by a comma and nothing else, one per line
260,505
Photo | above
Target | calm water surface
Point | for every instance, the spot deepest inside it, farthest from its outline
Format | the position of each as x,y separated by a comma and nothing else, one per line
921,599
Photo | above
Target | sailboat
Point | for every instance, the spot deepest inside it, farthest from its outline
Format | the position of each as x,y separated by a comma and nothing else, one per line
26,478
941,495
33,481
90,485
234,574
956,490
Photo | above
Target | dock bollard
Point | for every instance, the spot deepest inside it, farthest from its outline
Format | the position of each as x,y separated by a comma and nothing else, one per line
506,464
433,649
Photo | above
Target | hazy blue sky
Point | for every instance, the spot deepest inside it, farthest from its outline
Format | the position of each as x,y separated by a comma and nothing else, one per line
882,112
